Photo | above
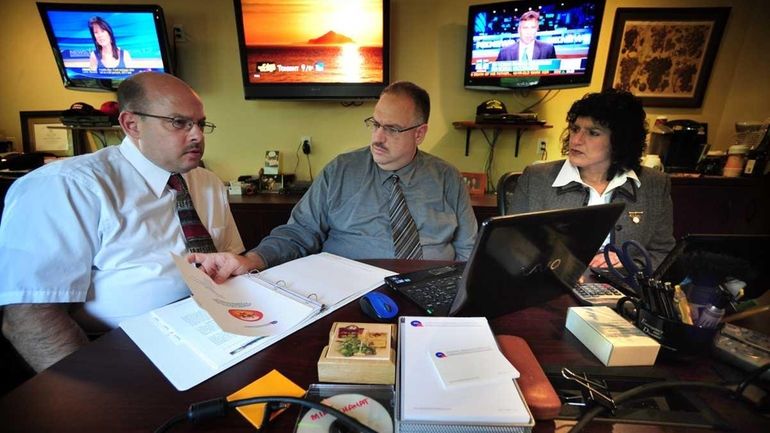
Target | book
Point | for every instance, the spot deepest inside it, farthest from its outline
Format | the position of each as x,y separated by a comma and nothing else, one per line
223,324
425,403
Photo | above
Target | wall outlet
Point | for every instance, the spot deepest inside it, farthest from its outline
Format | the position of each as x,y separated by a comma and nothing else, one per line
179,34
541,149
305,141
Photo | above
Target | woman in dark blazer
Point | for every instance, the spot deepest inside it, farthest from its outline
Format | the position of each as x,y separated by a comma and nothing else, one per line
604,143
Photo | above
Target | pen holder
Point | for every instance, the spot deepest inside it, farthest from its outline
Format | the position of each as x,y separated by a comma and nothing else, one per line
676,338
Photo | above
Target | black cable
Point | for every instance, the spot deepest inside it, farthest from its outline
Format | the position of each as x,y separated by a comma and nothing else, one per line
220,406
642,390
751,377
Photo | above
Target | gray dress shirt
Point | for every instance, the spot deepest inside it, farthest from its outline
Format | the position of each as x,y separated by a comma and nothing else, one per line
345,212
650,203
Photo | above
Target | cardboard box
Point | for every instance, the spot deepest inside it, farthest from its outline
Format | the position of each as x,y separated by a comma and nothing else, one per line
613,340
344,360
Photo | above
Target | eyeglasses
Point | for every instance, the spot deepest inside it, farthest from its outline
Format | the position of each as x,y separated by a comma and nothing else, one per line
389,130
182,123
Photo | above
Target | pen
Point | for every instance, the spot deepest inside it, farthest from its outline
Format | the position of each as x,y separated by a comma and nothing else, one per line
682,305
666,294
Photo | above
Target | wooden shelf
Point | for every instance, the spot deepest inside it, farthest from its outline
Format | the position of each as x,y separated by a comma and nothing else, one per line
497,128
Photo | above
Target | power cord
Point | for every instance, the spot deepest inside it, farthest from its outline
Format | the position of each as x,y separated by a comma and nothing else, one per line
219,407
643,390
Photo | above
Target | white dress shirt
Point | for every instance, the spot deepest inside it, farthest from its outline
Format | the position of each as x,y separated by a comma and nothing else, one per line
98,230
570,173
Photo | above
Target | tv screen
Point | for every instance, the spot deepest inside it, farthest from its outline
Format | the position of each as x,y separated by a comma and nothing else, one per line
525,44
313,49
98,46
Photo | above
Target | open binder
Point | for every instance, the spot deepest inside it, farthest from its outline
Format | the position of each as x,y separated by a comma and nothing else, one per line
193,339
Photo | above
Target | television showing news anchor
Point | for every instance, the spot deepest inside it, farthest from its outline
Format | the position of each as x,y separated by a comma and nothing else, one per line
528,47
106,54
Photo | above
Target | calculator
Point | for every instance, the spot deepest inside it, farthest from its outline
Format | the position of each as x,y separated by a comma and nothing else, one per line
597,294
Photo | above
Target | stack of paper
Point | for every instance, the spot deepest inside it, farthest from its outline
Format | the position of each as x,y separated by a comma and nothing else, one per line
452,377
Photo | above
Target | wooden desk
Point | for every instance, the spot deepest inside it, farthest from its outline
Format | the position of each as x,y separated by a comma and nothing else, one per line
110,386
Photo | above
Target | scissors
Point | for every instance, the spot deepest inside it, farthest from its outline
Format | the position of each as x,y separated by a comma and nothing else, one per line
631,268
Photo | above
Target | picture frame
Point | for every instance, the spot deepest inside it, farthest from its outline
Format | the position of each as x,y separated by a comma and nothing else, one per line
664,55
43,131
475,182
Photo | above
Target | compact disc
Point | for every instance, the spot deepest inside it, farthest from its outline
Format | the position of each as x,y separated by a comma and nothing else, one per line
365,409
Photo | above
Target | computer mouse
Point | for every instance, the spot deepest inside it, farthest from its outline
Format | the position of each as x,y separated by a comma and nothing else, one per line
378,306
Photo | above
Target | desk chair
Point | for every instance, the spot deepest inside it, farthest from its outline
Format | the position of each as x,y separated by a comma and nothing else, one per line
505,187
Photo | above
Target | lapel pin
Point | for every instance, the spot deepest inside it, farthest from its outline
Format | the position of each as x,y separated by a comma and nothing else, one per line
636,217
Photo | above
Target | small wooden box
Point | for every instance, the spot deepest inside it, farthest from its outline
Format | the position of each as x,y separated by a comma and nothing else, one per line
380,369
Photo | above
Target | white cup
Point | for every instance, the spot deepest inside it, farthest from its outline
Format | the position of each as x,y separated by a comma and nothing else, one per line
653,161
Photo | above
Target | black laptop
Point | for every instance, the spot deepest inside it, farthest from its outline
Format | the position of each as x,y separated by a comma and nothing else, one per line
517,261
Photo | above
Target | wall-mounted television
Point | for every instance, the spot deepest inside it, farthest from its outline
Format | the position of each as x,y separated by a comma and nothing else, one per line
96,46
563,53
313,49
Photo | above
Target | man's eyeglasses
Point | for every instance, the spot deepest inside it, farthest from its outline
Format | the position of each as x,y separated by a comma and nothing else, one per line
389,130
182,122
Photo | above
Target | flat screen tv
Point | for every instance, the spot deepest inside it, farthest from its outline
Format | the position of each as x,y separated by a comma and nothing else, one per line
96,46
313,49
562,55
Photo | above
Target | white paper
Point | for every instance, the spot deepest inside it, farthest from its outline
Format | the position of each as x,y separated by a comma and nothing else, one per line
423,397
469,361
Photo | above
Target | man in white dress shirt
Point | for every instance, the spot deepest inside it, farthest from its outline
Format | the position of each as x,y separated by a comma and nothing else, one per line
85,243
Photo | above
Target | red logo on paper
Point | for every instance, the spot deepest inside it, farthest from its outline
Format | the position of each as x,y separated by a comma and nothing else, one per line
247,315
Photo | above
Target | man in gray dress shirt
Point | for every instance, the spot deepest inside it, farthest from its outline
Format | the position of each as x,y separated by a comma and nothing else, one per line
345,211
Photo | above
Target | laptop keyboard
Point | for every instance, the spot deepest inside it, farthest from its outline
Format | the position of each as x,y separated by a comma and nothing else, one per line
433,290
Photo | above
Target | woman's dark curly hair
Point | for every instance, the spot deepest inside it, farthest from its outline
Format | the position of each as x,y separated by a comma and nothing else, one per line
621,113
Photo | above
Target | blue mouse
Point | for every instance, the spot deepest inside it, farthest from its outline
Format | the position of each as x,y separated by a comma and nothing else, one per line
378,306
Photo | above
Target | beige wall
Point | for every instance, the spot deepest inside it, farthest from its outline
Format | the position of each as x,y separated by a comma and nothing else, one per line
428,39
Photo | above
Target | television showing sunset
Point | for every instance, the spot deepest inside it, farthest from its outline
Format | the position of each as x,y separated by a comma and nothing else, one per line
321,41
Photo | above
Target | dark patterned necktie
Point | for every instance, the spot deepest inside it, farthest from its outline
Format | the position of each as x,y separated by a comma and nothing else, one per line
196,237
406,240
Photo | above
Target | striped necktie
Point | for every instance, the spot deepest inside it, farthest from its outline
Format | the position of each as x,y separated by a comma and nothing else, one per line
406,240
196,237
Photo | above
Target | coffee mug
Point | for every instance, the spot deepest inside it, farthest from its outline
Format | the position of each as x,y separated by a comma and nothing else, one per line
676,337
653,161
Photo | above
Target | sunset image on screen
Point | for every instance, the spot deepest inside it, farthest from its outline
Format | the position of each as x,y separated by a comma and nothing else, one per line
323,41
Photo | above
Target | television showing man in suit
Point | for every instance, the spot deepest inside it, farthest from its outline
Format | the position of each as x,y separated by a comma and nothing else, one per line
528,47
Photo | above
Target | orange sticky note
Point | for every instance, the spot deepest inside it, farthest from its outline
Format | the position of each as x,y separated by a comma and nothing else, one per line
271,384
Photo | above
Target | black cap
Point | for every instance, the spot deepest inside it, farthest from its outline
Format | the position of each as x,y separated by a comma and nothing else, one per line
491,106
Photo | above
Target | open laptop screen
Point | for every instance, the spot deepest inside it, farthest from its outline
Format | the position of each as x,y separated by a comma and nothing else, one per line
527,259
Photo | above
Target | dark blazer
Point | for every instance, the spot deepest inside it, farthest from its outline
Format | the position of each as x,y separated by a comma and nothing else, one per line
653,199
542,50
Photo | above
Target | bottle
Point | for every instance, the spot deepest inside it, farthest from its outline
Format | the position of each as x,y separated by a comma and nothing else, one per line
710,317
756,158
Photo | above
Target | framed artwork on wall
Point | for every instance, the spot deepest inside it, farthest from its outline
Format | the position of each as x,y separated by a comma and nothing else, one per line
43,131
664,55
